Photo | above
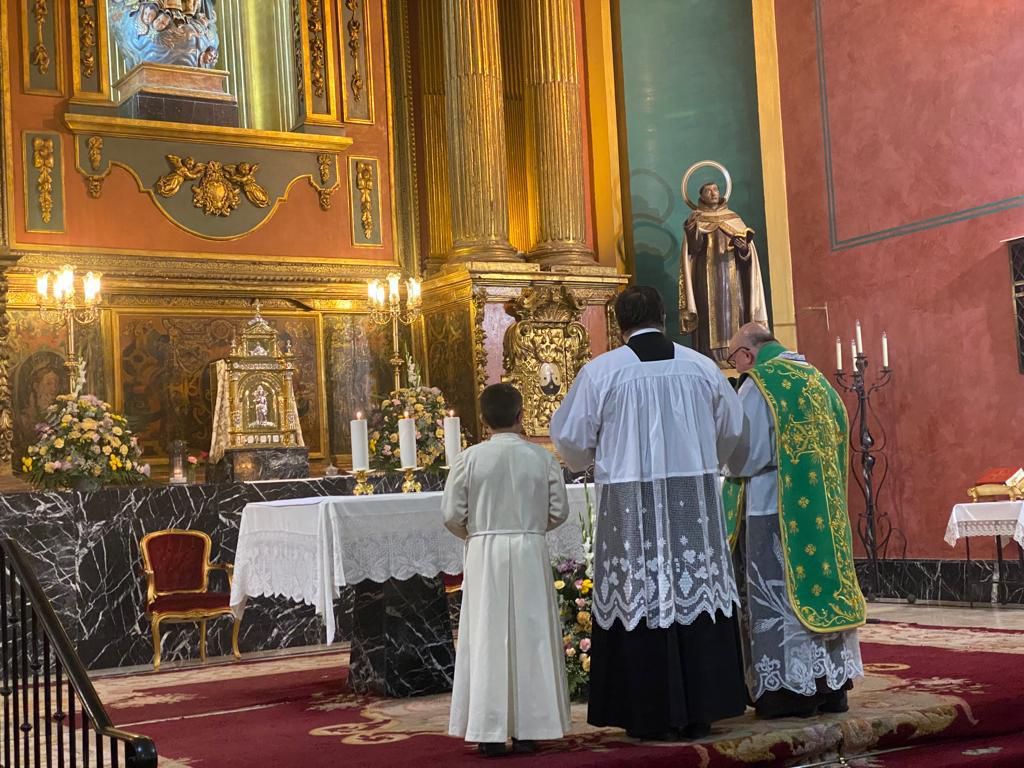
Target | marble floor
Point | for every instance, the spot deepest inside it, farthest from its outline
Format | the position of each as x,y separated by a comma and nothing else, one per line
1006,617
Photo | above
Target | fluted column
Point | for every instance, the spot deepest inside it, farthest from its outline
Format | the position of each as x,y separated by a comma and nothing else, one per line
553,117
435,150
476,132
521,217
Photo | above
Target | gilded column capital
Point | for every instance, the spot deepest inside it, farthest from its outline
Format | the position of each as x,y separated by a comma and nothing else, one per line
553,109
476,132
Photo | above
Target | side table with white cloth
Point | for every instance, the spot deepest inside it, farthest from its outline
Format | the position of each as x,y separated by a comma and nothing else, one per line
989,518
393,550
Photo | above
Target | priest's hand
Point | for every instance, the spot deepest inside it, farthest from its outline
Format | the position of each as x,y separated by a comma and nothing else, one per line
742,247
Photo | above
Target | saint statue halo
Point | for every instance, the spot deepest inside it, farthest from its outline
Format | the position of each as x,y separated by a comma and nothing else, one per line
706,164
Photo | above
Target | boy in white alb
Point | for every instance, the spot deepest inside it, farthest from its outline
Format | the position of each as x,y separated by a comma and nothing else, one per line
502,496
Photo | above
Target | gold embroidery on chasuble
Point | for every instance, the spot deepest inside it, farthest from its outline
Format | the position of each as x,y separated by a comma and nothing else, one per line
811,430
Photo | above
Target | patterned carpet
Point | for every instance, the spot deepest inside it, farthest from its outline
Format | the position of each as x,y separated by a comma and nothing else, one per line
949,694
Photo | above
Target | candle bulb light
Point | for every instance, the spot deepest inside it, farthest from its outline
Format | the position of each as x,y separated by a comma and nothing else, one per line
43,285
860,340
853,353
360,444
839,354
885,351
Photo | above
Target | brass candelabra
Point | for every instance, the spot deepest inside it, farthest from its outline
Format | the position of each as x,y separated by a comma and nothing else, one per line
386,306
60,305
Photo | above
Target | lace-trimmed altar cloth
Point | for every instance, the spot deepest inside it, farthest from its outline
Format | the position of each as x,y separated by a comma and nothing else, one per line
306,549
986,518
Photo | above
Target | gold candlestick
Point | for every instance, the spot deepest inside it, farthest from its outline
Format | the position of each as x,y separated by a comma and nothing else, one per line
411,485
362,488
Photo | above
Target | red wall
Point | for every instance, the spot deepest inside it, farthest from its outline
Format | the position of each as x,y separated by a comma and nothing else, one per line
925,150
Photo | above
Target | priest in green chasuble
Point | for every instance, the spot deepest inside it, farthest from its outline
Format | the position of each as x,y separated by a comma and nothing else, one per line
785,502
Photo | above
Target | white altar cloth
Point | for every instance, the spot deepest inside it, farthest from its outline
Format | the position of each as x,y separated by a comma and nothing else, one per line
306,549
988,518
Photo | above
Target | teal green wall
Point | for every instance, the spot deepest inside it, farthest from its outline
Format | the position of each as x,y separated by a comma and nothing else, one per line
690,94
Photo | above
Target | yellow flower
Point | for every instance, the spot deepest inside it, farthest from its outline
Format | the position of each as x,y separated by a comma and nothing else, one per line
33,449
393,437
117,431
418,407
585,662
439,433
65,419
114,462
583,617
115,442
567,640
97,471
559,585
89,435
26,464
107,450
58,443
375,435
75,434
124,450
43,450
586,586
89,424
48,467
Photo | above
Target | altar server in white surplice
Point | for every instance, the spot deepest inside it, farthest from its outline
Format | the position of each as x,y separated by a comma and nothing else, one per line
502,496
657,420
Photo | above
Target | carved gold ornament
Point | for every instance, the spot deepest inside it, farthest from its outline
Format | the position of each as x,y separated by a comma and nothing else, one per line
364,183
95,145
87,38
544,350
219,186
324,161
317,50
42,161
40,56
480,338
354,27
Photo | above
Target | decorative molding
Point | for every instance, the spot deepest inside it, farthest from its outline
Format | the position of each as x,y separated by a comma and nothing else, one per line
479,299
6,409
325,193
544,350
364,183
90,78
324,162
43,162
314,39
40,56
87,39
612,324
317,49
95,144
354,27
219,186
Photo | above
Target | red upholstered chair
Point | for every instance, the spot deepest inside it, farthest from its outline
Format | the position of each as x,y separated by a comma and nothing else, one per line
177,566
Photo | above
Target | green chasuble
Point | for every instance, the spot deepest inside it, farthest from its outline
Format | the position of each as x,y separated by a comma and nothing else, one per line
811,441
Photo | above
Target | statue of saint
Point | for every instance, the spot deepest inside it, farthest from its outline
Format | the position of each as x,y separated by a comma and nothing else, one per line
720,286
181,32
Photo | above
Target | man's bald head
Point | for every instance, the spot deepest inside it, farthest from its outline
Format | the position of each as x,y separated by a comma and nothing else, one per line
744,346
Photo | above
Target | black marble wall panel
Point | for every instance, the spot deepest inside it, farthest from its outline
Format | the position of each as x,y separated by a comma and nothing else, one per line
944,580
85,548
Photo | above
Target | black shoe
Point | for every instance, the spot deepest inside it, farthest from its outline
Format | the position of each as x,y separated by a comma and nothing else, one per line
835,703
651,735
695,731
492,748
524,746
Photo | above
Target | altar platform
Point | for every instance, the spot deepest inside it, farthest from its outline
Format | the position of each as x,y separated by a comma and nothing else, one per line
933,696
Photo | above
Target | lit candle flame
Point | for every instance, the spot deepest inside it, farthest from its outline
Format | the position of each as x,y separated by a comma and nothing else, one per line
43,285
359,415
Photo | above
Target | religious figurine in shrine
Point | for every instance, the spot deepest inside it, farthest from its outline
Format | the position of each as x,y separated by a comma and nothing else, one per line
180,32
720,286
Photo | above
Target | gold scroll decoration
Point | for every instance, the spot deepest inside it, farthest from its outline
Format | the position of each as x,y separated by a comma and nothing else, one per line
87,38
479,299
354,28
356,72
365,199
324,193
40,56
317,49
364,183
544,350
43,162
313,28
219,186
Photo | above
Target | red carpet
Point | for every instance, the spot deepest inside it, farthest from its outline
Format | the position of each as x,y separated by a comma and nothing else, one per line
951,694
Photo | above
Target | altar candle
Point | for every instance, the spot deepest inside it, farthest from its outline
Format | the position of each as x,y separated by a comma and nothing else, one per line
860,340
885,351
360,444
407,441
853,354
839,354
452,437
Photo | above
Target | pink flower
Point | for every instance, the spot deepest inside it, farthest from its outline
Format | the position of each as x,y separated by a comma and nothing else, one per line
193,460
578,583
570,652
585,644
144,469
581,603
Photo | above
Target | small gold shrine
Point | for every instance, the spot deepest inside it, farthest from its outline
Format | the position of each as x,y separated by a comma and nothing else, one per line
255,394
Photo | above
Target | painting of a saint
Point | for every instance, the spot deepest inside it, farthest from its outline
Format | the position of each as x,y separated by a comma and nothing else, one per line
550,379
37,382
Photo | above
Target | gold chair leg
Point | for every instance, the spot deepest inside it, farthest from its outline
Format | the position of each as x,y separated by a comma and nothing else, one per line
234,639
202,640
154,625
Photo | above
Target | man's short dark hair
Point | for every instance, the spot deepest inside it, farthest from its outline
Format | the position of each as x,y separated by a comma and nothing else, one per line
638,306
500,405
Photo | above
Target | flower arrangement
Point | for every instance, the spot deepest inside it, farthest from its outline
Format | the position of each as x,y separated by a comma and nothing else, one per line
575,592
575,588
83,444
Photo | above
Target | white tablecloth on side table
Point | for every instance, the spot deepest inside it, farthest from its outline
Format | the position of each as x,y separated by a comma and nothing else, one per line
988,518
306,549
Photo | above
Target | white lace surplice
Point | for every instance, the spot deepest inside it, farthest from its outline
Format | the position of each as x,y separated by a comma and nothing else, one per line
656,433
779,652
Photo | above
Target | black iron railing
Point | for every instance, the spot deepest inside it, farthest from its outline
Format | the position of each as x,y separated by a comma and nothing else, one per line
52,715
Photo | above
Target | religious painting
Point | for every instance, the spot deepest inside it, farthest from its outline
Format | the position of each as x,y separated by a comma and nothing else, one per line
359,372
38,375
165,381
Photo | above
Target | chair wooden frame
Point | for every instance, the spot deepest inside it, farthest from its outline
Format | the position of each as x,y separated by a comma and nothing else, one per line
199,615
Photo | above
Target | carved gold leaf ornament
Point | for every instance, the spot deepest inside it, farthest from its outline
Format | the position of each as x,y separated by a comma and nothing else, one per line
95,145
479,299
43,161
87,37
324,161
544,350
354,27
40,56
219,187
364,183
317,50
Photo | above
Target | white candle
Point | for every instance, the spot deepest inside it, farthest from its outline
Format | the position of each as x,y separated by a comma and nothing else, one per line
853,354
839,354
360,444
885,351
407,441
452,437
860,340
